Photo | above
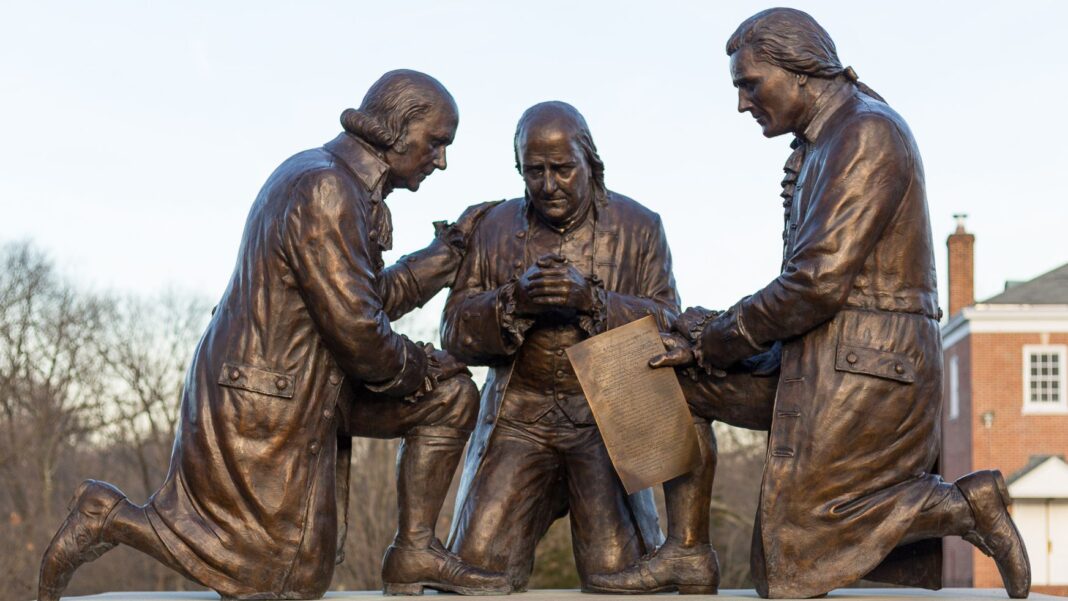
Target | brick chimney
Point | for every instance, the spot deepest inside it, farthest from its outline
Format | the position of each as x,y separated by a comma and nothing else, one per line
961,246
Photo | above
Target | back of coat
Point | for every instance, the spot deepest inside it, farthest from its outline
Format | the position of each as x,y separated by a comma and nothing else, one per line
855,432
248,506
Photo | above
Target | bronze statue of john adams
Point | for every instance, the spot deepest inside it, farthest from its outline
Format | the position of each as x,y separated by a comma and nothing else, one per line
298,357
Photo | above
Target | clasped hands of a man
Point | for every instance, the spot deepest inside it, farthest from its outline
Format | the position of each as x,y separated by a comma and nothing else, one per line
553,285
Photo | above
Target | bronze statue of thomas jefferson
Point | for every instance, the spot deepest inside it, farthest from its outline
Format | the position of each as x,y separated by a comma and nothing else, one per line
299,356
854,421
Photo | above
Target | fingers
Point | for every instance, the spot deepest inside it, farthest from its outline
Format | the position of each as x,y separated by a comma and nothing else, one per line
550,259
672,358
670,341
556,301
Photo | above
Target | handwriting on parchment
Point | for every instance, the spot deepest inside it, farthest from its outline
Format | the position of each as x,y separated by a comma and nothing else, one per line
640,411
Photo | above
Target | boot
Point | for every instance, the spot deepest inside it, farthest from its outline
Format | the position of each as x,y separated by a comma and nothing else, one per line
405,571
688,570
79,539
426,462
994,533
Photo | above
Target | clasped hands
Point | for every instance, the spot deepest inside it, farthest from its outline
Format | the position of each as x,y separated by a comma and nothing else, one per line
552,284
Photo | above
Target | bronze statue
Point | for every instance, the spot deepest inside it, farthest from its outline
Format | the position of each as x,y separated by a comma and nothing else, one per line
854,421
299,355
568,260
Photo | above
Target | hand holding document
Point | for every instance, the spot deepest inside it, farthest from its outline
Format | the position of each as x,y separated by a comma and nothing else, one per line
640,411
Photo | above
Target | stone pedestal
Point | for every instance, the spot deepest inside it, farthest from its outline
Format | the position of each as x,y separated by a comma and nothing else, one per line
870,594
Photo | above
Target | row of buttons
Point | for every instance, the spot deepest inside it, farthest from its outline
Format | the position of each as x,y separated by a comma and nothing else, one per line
852,358
281,383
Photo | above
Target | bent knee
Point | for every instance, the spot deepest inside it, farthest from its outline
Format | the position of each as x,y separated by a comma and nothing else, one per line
461,403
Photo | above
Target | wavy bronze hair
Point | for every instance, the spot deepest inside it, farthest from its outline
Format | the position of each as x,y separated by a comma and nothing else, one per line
791,39
391,103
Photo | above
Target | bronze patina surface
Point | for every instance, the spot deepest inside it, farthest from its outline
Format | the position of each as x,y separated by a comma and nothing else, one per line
568,260
299,355
852,322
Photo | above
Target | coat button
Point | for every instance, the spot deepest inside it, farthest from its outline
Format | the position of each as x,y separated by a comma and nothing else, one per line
559,352
373,235
489,419
469,340
560,396
517,264
560,373
899,368
467,315
313,448
851,358
235,374
281,383
328,413
520,234
334,378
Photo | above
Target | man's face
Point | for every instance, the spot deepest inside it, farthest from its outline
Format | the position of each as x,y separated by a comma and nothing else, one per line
773,95
556,173
426,140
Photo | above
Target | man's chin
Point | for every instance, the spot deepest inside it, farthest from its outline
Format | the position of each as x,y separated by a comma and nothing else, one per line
771,132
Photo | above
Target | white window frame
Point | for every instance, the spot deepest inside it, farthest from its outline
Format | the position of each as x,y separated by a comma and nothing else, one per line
1039,407
954,387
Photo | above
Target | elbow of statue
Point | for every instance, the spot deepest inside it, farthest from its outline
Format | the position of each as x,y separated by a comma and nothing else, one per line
829,302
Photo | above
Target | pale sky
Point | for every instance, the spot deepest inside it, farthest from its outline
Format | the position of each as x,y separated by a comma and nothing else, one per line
135,135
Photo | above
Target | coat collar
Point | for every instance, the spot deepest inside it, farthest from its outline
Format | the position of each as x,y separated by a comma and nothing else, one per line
819,122
362,160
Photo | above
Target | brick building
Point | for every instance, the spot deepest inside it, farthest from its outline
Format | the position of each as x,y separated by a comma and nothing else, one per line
1006,407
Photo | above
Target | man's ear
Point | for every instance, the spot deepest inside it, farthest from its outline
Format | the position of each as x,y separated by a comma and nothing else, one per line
802,79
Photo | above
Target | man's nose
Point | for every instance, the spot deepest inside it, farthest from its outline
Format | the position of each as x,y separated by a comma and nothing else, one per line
743,103
548,184
439,159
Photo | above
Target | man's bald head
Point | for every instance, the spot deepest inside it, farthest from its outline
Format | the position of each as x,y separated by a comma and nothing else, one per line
560,118
392,103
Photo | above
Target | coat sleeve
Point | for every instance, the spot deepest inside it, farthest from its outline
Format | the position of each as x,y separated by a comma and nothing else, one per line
853,197
656,283
417,277
478,327
325,240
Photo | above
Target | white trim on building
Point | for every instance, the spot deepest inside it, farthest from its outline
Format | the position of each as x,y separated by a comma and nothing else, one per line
1000,319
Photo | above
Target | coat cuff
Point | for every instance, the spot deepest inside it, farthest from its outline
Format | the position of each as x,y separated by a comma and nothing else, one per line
725,341
513,327
596,320
412,376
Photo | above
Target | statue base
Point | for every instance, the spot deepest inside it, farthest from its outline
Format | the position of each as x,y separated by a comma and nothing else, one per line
866,594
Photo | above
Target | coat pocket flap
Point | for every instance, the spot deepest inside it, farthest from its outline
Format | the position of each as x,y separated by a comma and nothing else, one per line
873,362
256,379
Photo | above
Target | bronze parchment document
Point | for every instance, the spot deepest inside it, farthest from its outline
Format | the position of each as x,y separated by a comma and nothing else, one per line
299,356
854,421
640,411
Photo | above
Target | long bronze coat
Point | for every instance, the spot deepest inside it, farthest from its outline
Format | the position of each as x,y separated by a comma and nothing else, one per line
855,430
248,507
632,260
